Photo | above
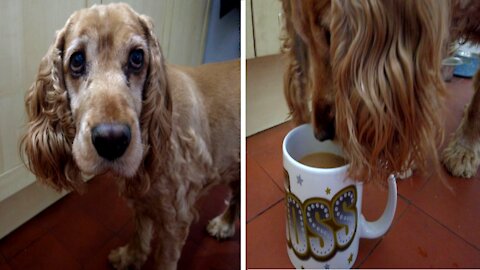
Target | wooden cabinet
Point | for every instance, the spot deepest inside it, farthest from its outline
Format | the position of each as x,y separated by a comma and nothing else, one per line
180,25
27,29
265,67
263,25
249,39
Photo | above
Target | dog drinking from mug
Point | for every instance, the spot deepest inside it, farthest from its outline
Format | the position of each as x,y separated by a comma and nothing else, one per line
104,100
370,71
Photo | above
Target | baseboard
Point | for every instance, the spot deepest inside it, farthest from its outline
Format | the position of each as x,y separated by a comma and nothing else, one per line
25,204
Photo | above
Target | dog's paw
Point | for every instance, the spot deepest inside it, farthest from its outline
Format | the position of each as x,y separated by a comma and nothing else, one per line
121,258
405,174
220,229
461,160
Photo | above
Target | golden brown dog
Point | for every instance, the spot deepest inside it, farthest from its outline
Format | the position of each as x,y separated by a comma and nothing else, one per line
105,101
372,70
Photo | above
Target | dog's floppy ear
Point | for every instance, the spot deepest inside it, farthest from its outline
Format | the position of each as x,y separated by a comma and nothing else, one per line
386,59
295,79
46,147
308,76
155,119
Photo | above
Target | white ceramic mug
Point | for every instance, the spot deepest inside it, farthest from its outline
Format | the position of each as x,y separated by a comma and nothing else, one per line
324,220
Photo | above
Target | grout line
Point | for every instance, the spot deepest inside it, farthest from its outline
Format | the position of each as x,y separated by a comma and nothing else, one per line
45,230
446,227
274,183
420,189
263,211
84,211
252,219
36,239
394,223
9,260
268,174
359,266
272,205
408,201
5,259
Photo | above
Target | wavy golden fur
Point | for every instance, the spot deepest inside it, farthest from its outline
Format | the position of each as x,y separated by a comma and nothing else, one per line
48,142
182,127
372,71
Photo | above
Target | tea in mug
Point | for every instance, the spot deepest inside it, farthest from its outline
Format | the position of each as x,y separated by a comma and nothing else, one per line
323,160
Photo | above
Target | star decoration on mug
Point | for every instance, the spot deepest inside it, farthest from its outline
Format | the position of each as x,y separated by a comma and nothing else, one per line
299,180
350,258
328,190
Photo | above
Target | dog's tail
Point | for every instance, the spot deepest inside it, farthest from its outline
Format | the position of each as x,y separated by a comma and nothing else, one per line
386,60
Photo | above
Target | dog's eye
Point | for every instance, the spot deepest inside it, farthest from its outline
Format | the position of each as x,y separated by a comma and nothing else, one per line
77,63
135,60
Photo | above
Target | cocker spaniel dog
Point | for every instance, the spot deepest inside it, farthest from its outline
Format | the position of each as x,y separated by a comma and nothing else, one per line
104,100
368,74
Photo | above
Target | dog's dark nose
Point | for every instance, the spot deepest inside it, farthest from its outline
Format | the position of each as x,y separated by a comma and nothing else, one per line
324,133
111,140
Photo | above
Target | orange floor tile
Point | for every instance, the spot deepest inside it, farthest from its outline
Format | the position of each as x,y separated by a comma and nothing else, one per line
79,231
433,226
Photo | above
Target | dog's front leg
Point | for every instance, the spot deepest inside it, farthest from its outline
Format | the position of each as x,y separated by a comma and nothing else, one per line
134,254
171,235
462,155
223,226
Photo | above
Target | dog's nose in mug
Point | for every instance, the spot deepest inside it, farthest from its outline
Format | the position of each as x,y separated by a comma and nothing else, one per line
326,132
111,140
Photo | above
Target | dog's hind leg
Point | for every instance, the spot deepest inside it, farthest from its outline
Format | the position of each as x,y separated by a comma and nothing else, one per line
134,254
223,226
462,155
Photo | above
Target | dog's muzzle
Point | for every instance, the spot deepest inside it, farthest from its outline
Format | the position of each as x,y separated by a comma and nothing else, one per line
111,140
325,132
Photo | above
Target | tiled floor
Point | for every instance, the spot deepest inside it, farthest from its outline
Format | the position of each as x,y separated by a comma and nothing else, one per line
79,231
433,226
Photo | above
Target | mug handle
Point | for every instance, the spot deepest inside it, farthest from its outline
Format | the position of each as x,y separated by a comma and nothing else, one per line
379,227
